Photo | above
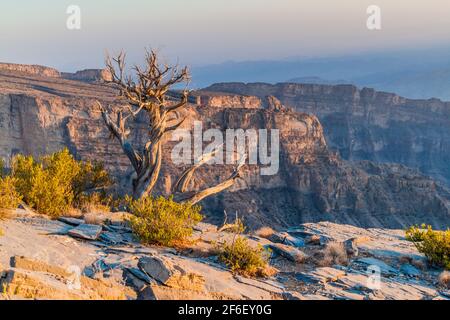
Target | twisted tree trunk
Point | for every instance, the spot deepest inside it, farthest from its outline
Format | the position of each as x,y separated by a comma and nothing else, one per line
150,94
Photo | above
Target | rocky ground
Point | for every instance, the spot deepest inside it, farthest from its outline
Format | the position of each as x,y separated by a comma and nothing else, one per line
70,259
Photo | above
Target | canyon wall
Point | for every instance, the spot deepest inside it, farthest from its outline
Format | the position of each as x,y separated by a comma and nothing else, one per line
369,125
43,114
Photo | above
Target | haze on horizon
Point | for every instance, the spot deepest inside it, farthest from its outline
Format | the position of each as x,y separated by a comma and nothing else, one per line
200,32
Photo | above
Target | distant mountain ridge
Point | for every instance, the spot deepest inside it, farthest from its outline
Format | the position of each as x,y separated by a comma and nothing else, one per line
415,74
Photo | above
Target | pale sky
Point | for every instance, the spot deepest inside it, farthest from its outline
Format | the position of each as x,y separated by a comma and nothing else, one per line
200,32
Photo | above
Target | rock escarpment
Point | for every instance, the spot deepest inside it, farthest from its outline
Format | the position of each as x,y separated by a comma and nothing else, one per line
369,125
29,69
89,75
43,114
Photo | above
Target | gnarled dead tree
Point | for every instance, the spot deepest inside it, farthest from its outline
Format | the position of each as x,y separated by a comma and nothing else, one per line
148,92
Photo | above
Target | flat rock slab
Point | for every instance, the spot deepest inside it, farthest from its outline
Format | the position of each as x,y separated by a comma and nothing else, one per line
120,229
166,272
325,274
113,238
205,227
86,231
384,267
264,285
34,279
141,275
286,238
71,221
289,252
346,295
410,270
131,250
292,295
157,292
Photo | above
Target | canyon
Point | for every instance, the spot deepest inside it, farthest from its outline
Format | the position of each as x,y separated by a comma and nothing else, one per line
363,124
331,140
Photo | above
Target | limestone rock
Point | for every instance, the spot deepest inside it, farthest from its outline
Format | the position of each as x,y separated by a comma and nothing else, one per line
351,247
165,272
86,231
71,221
384,267
112,238
286,238
292,295
326,274
20,262
289,252
33,279
410,270
158,292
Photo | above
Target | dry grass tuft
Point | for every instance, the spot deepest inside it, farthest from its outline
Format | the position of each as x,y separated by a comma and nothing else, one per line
94,218
444,279
334,253
314,239
419,264
264,232
73,213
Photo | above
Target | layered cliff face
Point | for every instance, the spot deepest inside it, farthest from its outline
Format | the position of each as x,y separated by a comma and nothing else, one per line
369,125
89,75
43,114
30,69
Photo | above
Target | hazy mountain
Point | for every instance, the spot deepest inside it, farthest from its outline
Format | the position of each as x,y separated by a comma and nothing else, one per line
317,80
415,74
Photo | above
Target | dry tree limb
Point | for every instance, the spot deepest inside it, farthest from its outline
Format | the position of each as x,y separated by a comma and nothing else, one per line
148,91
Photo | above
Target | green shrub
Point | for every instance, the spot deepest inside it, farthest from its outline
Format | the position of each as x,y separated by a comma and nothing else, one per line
435,245
162,221
244,259
90,181
2,168
9,197
57,182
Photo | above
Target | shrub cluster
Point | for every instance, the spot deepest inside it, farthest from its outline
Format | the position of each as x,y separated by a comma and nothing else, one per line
240,256
9,197
162,221
56,183
244,259
435,245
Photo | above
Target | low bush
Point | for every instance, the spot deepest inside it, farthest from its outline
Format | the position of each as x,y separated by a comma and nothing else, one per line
55,183
435,245
239,255
334,253
2,168
162,221
265,232
244,259
444,279
9,197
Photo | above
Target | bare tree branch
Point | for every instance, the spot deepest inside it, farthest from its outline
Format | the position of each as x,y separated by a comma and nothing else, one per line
149,91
